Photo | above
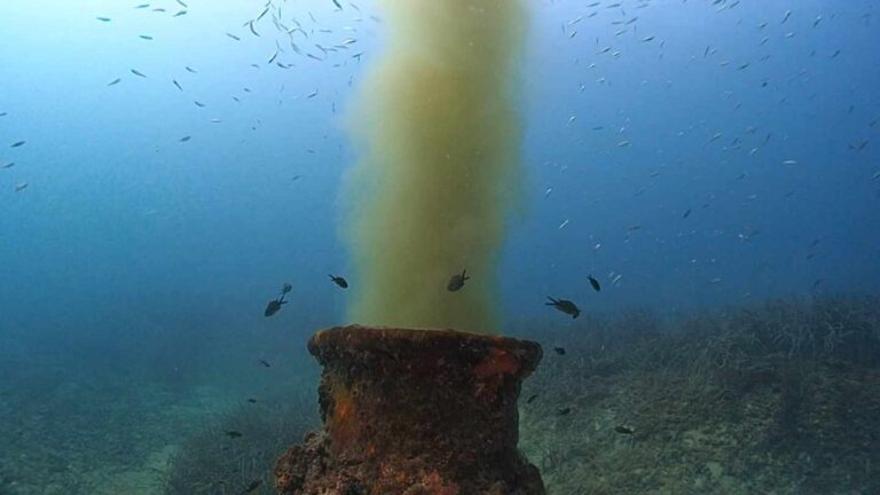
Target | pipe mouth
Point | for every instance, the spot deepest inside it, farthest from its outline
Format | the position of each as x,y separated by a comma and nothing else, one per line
420,345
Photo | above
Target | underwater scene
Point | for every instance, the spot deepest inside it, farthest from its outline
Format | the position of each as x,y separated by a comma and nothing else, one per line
440,247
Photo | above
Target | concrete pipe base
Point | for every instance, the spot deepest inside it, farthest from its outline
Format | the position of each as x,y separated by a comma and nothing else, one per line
415,412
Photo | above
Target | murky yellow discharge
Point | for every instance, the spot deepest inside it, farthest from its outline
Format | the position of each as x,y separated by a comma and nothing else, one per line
437,123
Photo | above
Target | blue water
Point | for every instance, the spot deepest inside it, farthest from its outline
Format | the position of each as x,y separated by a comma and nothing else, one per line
132,247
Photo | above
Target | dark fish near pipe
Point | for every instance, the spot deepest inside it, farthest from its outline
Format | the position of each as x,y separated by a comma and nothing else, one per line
564,306
457,281
275,304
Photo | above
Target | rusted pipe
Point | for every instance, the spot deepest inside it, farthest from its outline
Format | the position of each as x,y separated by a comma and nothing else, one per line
414,412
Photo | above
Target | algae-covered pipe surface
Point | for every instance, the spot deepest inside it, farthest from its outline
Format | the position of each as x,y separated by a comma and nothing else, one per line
438,132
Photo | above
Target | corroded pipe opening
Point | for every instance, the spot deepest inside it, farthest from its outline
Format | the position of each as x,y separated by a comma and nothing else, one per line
415,412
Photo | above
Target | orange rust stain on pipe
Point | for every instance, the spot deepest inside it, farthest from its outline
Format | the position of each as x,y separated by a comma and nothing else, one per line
491,370
498,362
342,425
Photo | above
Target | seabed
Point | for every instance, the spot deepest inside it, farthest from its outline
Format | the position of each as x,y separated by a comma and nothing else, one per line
781,397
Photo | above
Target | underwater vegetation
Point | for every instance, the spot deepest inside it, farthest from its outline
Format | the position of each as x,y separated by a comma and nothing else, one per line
213,462
780,397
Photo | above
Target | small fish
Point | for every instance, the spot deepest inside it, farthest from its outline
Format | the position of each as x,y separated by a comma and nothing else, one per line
787,15
876,175
115,81
337,4
145,37
254,31
18,144
138,73
21,186
624,430
686,213
563,411
860,146
190,69
199,104
4,114
594,283
531,398
177,84
182,4
789,162
103,19
565,306
456,282
275,304
560,350
265,363
252,487
179,13
142,6
252,400
233,434
340,281
185,139
8,165
273,307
